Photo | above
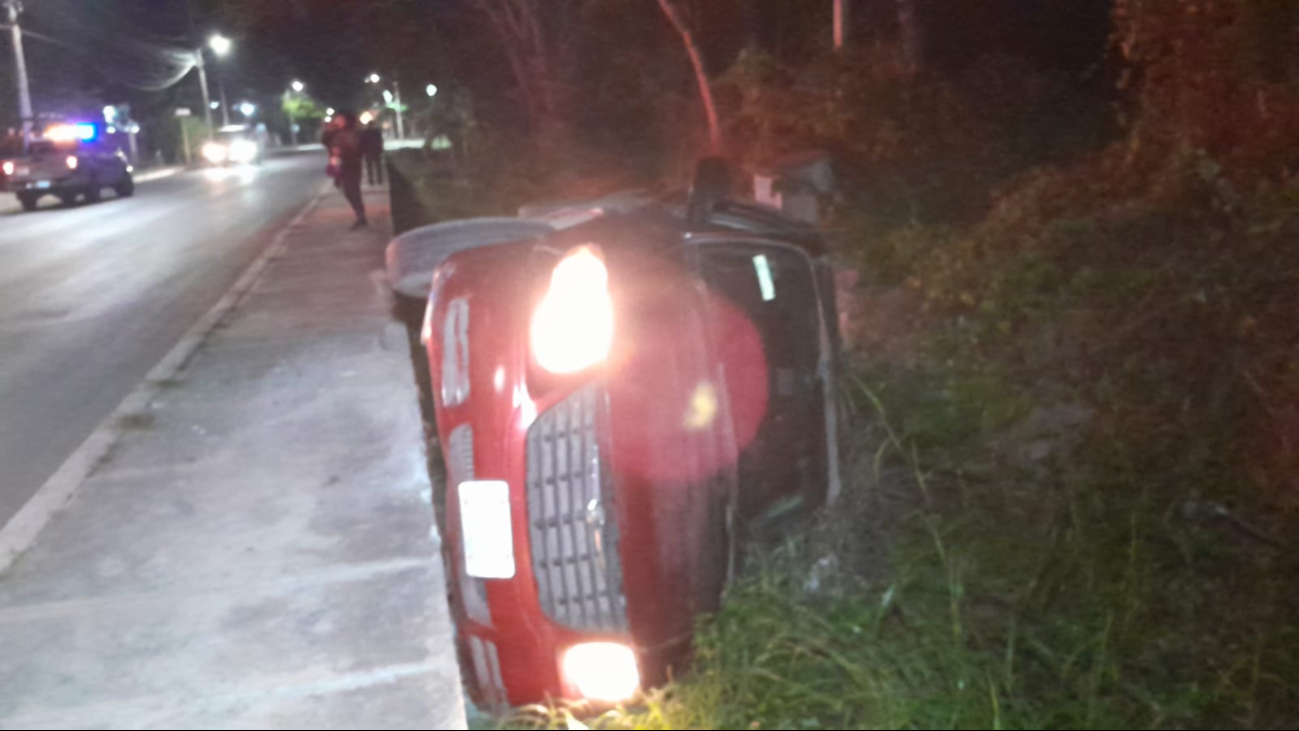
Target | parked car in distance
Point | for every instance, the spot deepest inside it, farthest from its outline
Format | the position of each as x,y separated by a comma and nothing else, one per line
68,161
620,387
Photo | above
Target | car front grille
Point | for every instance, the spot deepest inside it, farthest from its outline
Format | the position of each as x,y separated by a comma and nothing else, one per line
573,525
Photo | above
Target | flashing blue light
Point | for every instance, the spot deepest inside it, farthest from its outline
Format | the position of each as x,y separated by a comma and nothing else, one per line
87,131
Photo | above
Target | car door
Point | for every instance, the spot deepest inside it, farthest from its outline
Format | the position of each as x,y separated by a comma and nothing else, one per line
776,286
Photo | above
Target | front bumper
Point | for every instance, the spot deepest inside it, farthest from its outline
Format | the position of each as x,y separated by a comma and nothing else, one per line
567,588
53,185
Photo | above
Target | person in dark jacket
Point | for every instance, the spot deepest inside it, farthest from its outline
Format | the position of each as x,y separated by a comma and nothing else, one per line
372,149
344,142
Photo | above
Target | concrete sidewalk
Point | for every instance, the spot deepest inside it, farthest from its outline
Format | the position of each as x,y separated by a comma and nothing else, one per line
255,549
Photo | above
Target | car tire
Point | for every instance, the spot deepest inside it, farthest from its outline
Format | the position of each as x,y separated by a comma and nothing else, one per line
28,201
93,191
126,188
68,199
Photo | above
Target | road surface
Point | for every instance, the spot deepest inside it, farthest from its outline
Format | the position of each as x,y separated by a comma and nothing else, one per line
92,297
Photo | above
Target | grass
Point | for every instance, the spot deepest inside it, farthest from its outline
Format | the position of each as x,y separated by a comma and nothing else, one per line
998,565
1124,582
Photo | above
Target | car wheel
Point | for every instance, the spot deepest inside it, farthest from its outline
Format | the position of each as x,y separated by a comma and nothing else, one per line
67,199
93,191
126,188
28,201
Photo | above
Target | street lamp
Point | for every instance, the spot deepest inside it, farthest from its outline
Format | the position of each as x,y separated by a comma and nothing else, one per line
373,79
431,90
248,109
220,44
298,86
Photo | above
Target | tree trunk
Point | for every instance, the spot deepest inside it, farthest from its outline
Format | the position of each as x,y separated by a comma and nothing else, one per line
910,34
518,24
701,76
839,21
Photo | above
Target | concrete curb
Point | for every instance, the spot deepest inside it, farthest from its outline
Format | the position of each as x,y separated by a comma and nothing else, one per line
21,531
150,175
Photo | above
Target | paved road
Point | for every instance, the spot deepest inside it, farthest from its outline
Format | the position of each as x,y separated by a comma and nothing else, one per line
92,297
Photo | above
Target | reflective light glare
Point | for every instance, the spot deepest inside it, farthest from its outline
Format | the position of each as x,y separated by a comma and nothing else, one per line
215,153
220,44
72,162
71,132
602,671
572,327
243,151
9,167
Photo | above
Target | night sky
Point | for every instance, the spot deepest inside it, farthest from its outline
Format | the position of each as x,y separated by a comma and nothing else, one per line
332,44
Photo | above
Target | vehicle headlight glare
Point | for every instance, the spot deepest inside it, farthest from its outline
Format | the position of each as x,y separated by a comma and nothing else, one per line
572,327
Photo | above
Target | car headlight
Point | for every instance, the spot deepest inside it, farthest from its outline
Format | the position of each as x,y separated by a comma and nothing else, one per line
9,167
572,327
73,162
243,151
215,153
602,671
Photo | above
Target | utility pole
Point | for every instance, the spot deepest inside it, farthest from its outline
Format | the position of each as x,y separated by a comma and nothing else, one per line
20,67
225,108
207,101
396,95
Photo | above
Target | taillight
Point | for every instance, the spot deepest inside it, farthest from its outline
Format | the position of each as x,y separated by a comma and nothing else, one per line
72,162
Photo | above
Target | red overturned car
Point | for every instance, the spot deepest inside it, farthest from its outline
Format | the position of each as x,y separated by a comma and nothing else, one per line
621,387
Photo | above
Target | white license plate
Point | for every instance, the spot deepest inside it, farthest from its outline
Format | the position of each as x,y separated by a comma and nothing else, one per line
486,530
43,184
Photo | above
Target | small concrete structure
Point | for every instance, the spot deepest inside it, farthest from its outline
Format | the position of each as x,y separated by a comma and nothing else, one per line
796,184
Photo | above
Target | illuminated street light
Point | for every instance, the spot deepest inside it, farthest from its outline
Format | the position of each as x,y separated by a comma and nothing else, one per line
387,96
215,105
110,113
220,44
248,109
431,90
329,112
298,86
373,78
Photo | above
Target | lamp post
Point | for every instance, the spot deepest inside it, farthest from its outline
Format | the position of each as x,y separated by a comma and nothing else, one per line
297,87
20,70
393,100
221,46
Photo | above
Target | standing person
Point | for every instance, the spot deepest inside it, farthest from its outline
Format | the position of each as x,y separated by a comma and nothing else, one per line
344,143
372,148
